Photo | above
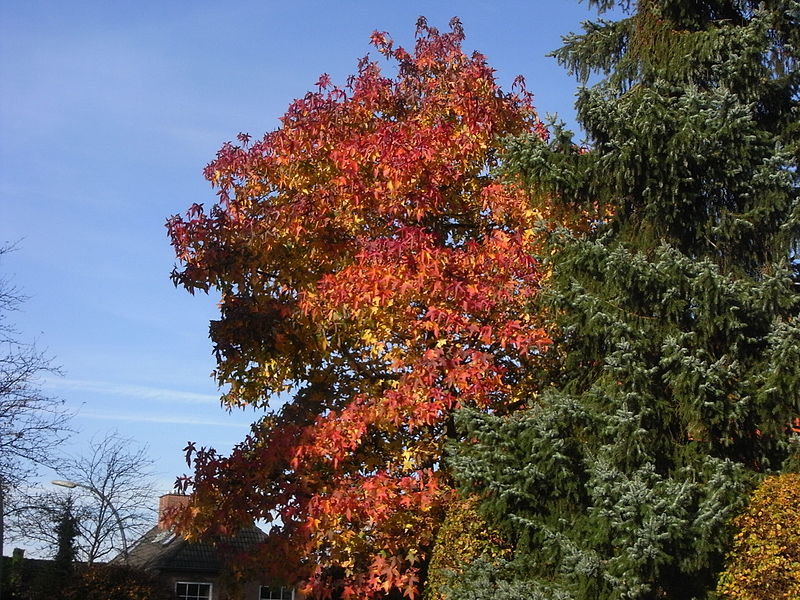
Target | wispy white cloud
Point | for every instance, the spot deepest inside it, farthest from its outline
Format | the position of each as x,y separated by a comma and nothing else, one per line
167,419
131,391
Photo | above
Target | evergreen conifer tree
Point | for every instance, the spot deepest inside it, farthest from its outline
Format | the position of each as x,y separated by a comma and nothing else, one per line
64,560
54,578
678,339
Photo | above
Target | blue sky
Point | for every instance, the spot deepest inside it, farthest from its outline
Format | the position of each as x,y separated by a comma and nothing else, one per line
108,113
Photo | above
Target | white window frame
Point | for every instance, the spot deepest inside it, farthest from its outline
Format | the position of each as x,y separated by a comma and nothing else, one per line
208,583
274,587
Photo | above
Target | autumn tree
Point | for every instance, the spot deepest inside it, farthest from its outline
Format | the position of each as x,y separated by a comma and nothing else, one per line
374,277
675,316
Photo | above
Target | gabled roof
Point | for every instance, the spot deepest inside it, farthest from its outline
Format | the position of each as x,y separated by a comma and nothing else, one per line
162,550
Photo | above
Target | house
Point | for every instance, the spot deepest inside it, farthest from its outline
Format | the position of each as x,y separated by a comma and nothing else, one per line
199,570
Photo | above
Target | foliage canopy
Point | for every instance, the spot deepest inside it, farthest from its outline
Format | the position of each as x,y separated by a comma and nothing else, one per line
374,278
676,316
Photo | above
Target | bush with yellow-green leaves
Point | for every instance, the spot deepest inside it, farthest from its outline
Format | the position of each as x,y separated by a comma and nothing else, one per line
764,563
463,537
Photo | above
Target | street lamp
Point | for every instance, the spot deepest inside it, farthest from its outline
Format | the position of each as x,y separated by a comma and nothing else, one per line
99,494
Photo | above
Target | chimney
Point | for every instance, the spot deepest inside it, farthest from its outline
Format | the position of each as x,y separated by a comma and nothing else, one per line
167,504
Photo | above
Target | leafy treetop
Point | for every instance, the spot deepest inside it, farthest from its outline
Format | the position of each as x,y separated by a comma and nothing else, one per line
374,277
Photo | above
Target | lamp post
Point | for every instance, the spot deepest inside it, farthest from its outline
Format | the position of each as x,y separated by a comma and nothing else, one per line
99,494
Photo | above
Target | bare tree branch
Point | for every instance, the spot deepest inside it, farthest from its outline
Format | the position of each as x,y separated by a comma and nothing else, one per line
32,423
121,471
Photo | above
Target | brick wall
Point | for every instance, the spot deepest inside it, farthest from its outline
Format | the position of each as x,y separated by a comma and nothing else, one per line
166,504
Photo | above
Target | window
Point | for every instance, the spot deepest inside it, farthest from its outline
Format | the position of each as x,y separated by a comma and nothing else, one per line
276,593
193,591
